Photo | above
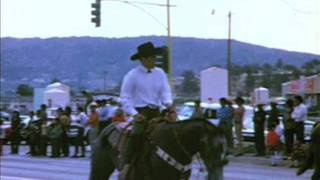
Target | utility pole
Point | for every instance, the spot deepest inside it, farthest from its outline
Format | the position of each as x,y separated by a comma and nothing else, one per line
168,27
169,43
79,81
229,55
104,80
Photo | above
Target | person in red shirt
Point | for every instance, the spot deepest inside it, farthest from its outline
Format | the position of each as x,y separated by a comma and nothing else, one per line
273,139
120,116
93,123
273,144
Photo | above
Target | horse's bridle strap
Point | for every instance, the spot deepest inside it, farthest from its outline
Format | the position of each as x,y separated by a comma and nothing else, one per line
171,161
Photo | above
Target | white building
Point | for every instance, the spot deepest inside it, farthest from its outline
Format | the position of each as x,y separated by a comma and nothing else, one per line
213,84
308,87
56,95
261,95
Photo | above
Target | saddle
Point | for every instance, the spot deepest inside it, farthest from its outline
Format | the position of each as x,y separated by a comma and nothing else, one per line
120,131
119,135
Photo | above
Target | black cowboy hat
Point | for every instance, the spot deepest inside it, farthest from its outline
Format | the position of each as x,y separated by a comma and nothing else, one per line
145,50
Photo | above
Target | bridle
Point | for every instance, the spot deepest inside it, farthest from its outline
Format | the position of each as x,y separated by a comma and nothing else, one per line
184,168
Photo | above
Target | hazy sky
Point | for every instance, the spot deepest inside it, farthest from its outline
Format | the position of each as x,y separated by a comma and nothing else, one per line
286,24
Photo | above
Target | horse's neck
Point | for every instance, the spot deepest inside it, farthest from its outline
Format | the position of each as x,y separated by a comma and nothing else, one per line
190,136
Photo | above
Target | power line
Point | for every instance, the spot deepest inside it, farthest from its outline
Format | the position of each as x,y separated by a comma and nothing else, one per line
145,3
298,10
133,3
145,11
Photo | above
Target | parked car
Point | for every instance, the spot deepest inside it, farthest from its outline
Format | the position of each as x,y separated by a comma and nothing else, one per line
25,119
5,126
185,111
24,124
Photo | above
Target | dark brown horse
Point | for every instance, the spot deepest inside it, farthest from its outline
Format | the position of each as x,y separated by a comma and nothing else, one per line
171,149
313,157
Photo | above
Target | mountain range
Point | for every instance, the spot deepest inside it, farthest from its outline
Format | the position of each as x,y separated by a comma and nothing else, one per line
90,58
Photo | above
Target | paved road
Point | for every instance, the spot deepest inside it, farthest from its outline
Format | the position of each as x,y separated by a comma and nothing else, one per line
24,167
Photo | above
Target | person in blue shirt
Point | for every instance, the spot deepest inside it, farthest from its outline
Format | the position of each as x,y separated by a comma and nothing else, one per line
104,120
224,114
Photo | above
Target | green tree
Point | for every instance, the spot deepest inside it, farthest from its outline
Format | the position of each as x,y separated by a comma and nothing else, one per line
267,69
311,67
236,70
279,64
24,90
190,84
250,83
54,80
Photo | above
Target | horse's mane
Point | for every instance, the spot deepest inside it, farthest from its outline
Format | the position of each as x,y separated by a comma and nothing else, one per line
193,120
202,123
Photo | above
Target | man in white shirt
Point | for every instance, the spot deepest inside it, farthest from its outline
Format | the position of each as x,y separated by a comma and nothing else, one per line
144,90
76,131
299,115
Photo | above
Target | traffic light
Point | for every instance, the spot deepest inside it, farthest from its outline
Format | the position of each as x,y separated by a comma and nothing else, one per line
96,12
162,59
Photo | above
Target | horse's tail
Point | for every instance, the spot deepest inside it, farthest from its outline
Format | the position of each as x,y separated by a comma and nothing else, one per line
313,156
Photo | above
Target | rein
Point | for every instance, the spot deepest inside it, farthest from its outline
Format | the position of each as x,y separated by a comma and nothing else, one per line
176,135
174,163
171,161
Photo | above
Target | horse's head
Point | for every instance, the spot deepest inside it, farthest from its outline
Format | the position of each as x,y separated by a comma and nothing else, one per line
213,151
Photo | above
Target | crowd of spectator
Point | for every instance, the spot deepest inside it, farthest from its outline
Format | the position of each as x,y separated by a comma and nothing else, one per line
66,128
81,126
267,129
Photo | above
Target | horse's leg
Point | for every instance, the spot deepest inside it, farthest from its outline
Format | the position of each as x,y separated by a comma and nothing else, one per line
316,173
161,170
101,163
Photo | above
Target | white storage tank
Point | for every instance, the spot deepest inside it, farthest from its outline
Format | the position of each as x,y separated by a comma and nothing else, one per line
261,96
213,84
57,95
58,85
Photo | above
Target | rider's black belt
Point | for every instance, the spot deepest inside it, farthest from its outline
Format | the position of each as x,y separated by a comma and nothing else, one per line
139,109
148,112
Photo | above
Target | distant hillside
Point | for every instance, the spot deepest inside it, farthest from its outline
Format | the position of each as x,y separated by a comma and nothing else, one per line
88,57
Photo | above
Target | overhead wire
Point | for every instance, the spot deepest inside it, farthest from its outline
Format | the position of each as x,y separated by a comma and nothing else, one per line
299,10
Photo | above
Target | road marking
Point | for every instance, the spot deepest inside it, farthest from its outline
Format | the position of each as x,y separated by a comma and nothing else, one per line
16,178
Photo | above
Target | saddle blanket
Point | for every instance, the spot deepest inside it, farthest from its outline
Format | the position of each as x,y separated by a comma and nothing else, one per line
119,135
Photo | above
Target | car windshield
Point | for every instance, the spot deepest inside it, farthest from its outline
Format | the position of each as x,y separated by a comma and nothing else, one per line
186,111
248,119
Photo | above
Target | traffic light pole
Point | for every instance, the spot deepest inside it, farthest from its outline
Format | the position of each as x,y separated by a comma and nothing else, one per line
168,28
96,12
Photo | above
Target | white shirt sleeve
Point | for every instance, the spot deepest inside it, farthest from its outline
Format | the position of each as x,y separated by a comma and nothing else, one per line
83,119
127,90
299,113
166,95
